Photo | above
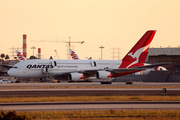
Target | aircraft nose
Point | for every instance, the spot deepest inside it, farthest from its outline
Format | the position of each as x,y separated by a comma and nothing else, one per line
10,72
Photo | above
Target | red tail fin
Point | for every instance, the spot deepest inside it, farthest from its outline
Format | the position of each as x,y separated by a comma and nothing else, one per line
139,52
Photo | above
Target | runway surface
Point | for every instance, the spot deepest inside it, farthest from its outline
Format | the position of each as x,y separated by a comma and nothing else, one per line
65,83
77,89
86,84
89,105
94,88
87,92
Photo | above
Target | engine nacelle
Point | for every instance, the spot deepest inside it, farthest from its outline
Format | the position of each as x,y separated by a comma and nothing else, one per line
160,68
103,75
76,77
138,73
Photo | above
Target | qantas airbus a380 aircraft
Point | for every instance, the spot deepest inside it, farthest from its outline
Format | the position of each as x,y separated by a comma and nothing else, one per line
78,70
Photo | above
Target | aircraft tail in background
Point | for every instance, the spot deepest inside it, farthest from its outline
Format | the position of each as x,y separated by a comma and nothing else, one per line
20,56
74,56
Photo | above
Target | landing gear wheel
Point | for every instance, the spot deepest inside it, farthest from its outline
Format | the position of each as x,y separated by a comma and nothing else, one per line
106,82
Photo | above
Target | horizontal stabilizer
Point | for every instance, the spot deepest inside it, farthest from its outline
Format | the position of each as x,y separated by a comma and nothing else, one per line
152,65
121,70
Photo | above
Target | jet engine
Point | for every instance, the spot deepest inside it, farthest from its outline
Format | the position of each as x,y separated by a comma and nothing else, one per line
103,75
138,73
76,76
160,68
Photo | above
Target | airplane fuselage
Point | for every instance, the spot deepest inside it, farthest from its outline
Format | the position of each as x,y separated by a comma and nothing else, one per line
35,68
39,68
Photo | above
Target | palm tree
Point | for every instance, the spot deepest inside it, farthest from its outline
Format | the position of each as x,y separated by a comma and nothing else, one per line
2,55
33,57
7,57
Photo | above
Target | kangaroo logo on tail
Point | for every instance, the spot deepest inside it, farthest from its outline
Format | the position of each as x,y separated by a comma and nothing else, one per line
132,55
137,55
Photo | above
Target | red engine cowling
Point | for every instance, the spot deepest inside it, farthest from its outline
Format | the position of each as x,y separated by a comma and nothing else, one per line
103,75
76,77
160,68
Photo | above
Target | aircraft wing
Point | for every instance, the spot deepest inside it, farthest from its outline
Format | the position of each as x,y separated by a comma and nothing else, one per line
152,65
6,66
90,73
87,73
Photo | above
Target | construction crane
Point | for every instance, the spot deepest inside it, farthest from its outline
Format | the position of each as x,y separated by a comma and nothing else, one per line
69,42
56,54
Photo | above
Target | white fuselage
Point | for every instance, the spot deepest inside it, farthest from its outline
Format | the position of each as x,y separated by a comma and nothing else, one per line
34,68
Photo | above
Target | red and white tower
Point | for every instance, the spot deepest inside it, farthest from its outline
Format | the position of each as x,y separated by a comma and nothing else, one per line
39,53
25,45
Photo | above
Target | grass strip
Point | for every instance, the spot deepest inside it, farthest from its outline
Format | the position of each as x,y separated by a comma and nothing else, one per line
105,114
88,98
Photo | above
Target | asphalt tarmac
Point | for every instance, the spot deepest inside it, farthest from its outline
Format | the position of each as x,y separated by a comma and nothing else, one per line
87,92
87,84
68,89
89,105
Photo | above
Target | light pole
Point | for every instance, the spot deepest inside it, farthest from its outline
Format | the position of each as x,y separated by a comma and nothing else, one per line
101,51
33,49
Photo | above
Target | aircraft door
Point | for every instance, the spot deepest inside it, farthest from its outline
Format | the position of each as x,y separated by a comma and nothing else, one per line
53,63
45,70
46,73
93,63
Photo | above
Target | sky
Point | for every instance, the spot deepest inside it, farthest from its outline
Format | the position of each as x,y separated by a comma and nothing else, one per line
114,24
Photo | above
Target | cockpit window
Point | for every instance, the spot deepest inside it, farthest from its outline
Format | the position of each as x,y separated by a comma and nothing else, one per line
15,67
